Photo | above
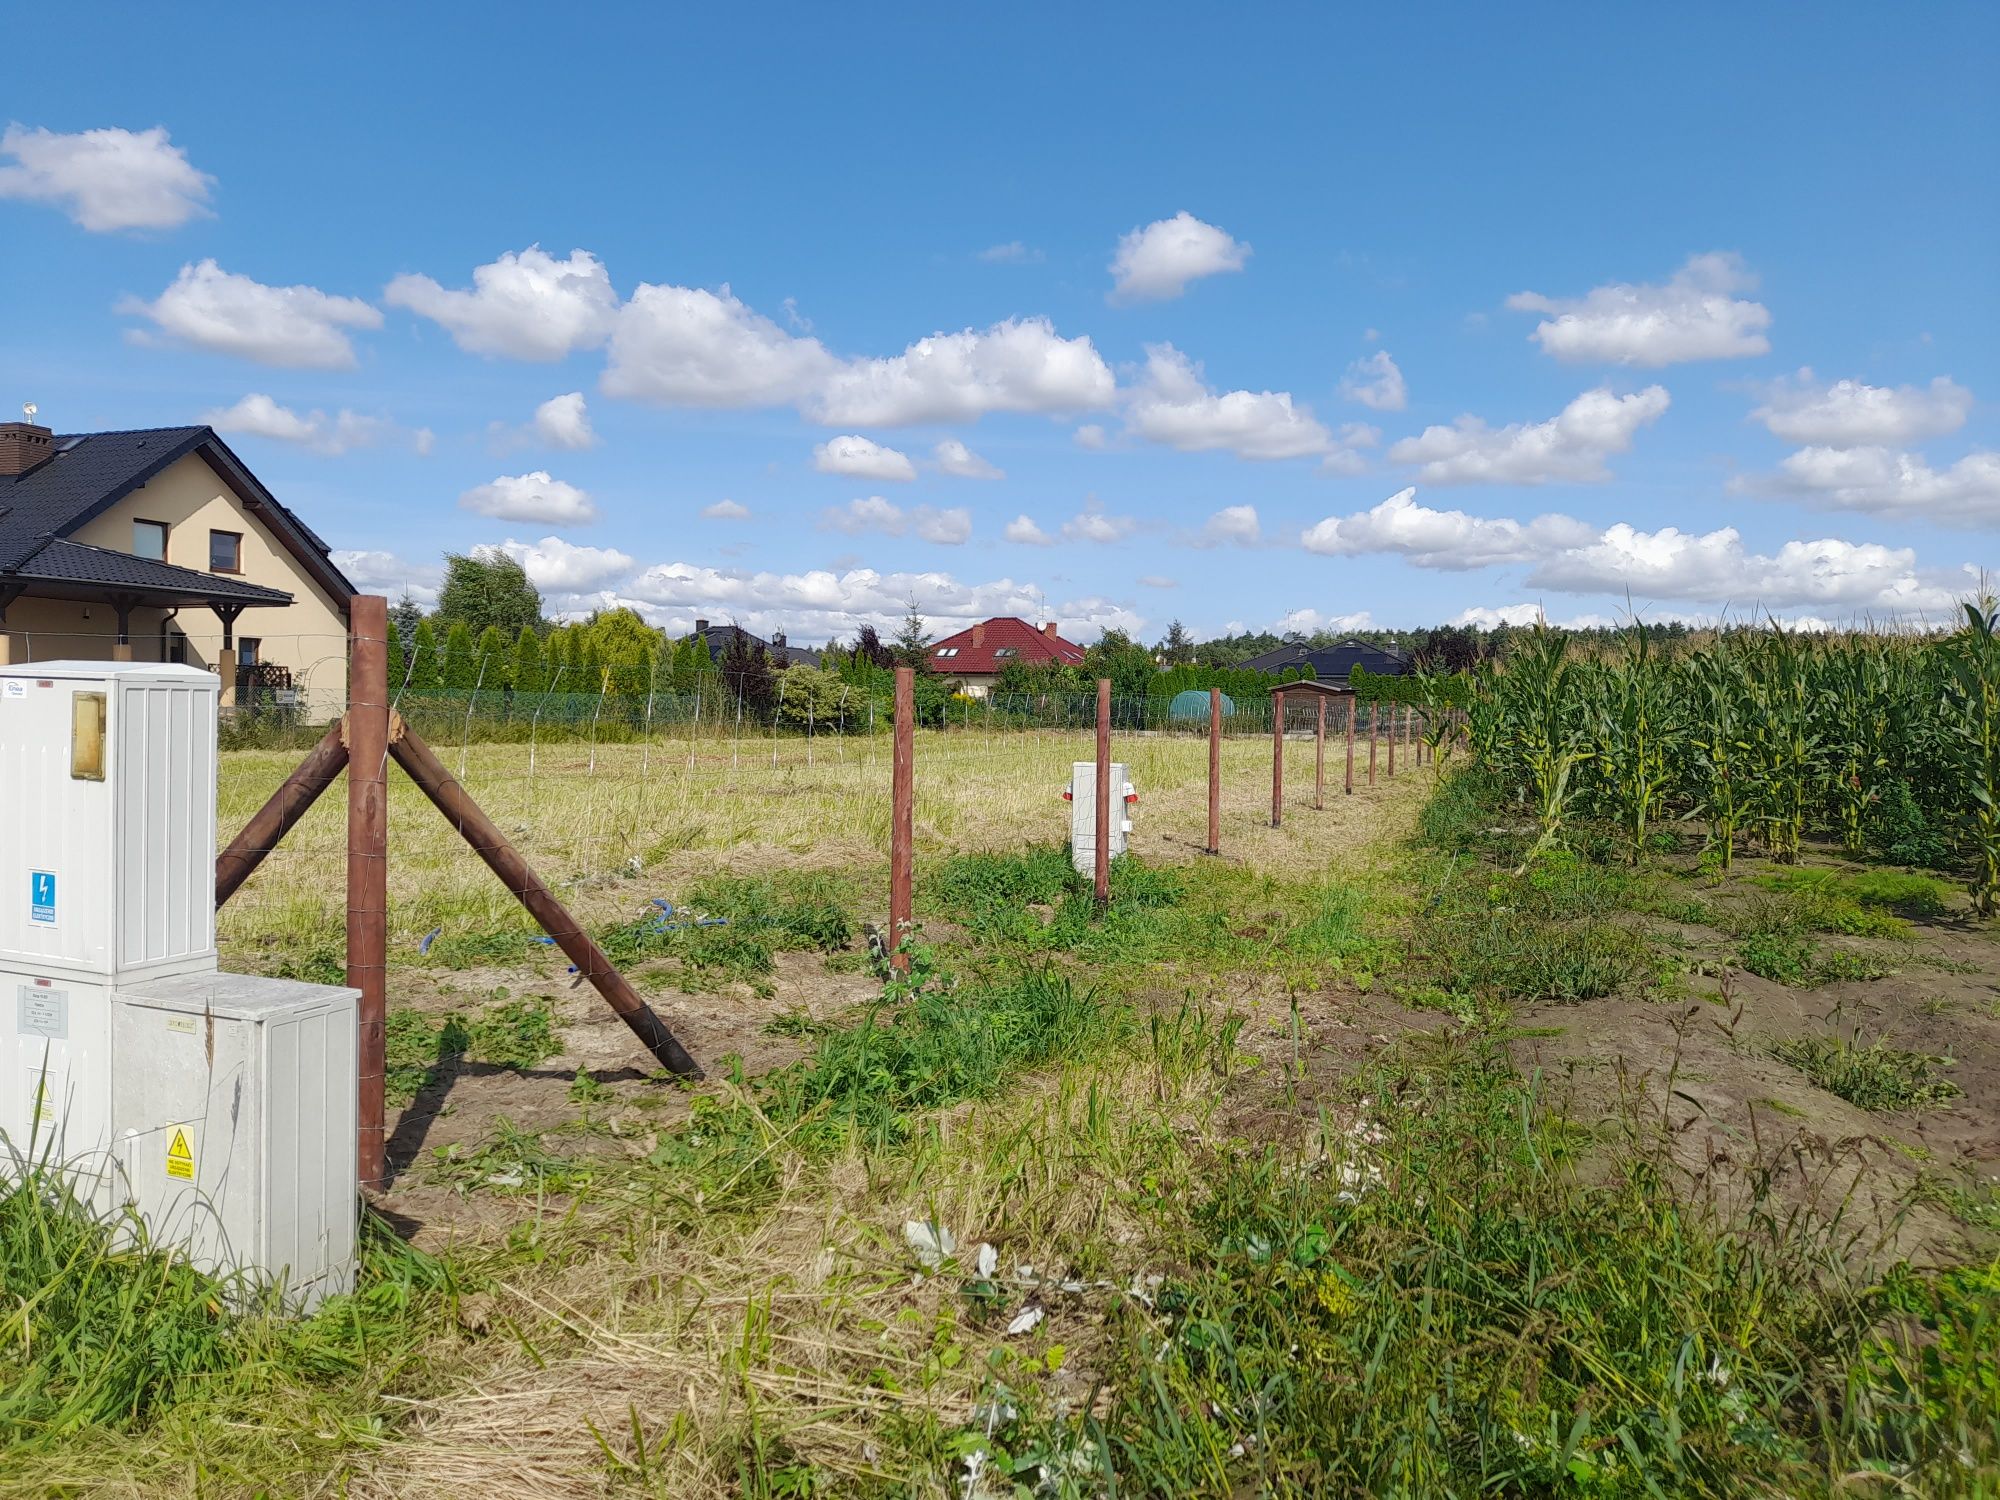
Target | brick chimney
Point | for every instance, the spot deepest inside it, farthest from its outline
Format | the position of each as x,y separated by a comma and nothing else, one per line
701,627
979,634
22,446
1049,630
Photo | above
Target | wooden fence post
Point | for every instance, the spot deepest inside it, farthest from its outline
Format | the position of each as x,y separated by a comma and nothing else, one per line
368,864
1350,744
1374,737
1102,861
1215,770
902,816
1277,758
1319,753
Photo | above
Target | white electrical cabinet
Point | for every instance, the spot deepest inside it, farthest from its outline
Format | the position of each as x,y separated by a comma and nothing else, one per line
107,818
236,1138
1083,813
220,1106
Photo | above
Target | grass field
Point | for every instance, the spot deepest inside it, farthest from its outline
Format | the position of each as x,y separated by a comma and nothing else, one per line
1370,1158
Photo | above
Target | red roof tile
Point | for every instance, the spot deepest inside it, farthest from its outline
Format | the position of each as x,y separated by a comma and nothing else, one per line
1000,641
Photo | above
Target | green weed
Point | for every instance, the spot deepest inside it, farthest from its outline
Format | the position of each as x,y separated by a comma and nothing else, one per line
1874,1077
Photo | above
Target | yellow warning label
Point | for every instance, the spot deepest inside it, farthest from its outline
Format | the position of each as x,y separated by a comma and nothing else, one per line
180,1155
44,1108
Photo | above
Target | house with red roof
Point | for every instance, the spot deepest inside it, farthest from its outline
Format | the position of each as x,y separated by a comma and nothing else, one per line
978,656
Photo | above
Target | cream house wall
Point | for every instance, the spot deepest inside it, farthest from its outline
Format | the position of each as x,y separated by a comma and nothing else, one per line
309,636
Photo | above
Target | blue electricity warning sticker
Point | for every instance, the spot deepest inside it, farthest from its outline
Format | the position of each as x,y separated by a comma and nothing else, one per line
42,897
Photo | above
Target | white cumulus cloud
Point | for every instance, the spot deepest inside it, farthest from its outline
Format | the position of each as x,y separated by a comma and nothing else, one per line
873,514
107,179
1091,524
559,567
726,510
822,604
1233,525
1852,414
1884,482
1445,539
1694,315
526,305
564,422
953,457
862,458
530,497
687,346
1312,622
389,574
1716,567
258,415
296,326
690,347
1158,260
1376,382
1023,531
1572,445
1172,406
1021,365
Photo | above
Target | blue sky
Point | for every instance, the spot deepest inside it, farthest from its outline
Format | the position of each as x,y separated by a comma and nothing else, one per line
1266,316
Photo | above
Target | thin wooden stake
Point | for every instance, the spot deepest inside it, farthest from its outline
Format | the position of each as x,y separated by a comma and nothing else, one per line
902,817
1350,744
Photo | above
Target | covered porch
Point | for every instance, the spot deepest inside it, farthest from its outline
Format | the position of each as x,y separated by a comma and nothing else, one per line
71,600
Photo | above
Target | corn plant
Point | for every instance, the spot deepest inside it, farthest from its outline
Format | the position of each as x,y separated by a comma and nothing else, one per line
1973,694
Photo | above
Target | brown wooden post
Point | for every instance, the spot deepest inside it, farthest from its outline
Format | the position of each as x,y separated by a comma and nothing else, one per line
1395,715
1319,753
1215,770
505,861
275,818
1101,863
902,816
1374,737
1350,744
1277,759
368,861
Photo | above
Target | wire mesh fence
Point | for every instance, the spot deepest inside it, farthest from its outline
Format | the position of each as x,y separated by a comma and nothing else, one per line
618,797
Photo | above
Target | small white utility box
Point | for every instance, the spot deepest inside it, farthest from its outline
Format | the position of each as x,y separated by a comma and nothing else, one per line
1082,795
107,819
55,1079
235,1139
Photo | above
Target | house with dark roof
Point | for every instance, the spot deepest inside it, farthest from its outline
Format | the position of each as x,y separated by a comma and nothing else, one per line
159,545
1332,664
721,638
978,655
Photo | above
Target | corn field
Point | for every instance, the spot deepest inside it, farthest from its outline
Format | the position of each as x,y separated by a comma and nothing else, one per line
1889,744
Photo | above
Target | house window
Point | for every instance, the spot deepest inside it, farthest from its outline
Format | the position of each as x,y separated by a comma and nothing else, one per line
249,651
177,648
225,552
944,651
149,540
1003,652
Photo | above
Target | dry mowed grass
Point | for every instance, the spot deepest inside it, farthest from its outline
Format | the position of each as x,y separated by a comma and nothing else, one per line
592,820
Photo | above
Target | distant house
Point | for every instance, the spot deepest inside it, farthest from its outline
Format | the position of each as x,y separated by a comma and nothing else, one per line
977,657
1332,664
721,638
159,545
